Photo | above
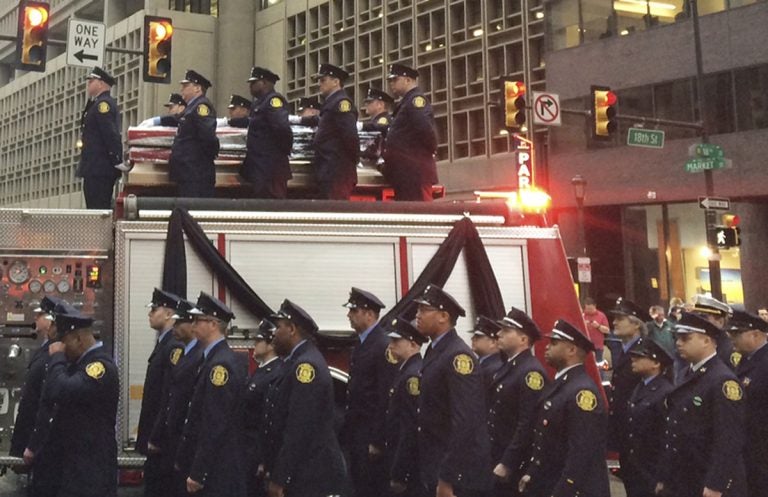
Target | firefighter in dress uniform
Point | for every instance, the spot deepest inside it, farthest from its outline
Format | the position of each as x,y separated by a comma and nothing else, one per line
101,141
703,454
401,430
411,144
158,469
84,383
484,346
377,105
210,451
195,146
371,372
749,334
269,142
302,453
514,393
569,438
239,109
454,448
175,108
718,313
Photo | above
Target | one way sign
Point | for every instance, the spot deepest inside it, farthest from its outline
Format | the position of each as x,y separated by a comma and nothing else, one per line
85,43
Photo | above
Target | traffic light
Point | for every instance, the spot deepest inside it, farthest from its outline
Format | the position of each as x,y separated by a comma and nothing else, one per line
32,36
158,33
726,237
514,104
731,220
603,112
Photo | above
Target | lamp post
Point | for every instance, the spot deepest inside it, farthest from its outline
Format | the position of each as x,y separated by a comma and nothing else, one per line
579,186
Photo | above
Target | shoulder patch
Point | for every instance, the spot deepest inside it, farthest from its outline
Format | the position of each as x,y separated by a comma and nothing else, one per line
219,376
383,121
305,372
732,390
345,106
275,102
586,400
463,364
176,355
419,102
203,110
390,358
534,380
95,370
735,358
413,386
103,107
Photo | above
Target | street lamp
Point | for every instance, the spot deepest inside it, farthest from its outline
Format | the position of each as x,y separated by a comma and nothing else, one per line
579,186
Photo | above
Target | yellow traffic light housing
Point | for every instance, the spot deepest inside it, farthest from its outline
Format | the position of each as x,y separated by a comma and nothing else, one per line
603,112
32,37
514,103
158,33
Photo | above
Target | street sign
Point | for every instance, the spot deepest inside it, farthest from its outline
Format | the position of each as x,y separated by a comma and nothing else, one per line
584,269
649,138
699,164
716,203
546,109
85,43
706,150
524,149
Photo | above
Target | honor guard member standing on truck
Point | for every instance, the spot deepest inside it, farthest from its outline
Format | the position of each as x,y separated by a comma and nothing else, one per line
303,457
569,436
166,434
371,372
748,333
195,146
377,104
454,449
158,469
102,143
269,142
646,414
704,444
83,381
402,417
484,346
515,391
409,151
307,107
175,106
255,395
210,452
239,110
336,143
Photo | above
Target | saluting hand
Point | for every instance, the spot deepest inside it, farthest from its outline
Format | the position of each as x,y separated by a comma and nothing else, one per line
523,483
193,486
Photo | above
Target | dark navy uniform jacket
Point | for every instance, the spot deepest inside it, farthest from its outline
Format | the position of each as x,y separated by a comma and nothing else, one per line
336,144
411,142
489,366
402,424
163,358
515,391
453,436
195,146
623,383
102,141
705,434
253,412
30,399
210,451
302,452
238,122
645,428
86,393
753,375
379,122
371,373
170,120
569,439
269,141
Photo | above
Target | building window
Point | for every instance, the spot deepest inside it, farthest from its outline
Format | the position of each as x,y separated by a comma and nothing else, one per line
751,98
718,112
674,101
264,4
207,7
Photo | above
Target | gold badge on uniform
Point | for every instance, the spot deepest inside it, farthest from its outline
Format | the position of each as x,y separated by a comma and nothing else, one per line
732,390
176,355
735,358
463,364
219,376
413,386
383,121
534,380
586,400
276,102
345,106
95,370
419,102
203,110
390,358
103,107
305,372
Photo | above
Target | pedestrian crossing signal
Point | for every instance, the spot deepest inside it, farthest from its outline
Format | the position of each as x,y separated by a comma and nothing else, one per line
514,104
726,237
158,33
32,37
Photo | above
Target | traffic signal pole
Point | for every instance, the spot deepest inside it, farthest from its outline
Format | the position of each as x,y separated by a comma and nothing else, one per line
63,43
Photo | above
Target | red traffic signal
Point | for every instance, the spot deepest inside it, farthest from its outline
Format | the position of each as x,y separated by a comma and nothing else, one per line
158,34
32,35
514,103
603,112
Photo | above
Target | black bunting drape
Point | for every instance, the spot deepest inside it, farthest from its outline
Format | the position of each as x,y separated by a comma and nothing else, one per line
175,263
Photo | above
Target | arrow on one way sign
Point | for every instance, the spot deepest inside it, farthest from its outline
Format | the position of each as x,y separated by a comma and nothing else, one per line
715,203
81,56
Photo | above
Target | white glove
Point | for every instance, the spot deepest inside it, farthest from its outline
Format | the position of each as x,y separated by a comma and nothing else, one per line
294,119
222,121
359,125
146,123
124,167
